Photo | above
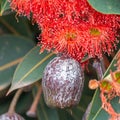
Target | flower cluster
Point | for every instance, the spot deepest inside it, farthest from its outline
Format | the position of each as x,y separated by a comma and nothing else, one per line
71,26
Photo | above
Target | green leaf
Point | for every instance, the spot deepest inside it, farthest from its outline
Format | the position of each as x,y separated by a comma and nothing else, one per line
18,26
4,7
65,114
97,113
12,50
31,68
106,6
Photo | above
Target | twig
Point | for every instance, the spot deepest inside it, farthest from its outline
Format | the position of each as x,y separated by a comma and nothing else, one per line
14,101
32,111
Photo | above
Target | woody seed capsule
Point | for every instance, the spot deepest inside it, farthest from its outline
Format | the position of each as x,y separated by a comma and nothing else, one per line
62,82
13,116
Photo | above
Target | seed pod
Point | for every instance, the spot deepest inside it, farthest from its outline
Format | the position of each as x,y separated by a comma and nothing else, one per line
63,82
14,116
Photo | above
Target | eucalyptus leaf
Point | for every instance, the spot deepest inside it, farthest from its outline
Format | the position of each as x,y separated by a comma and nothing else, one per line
106,6
65,115
31,68
12,50
18,26
96,112
4,7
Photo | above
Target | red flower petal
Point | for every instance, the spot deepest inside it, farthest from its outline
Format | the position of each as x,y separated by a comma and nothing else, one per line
21,6
67,38
99,40
73,26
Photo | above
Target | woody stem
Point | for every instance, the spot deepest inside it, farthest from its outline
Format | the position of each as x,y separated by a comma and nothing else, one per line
14,101
33,108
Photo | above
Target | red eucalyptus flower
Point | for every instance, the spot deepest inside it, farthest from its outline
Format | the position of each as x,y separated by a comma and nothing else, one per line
71,26
99,39
64,37
21,6
78,39
93,35
47,10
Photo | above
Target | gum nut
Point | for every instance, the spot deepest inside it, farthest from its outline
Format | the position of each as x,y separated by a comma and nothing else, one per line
14,116
62,82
